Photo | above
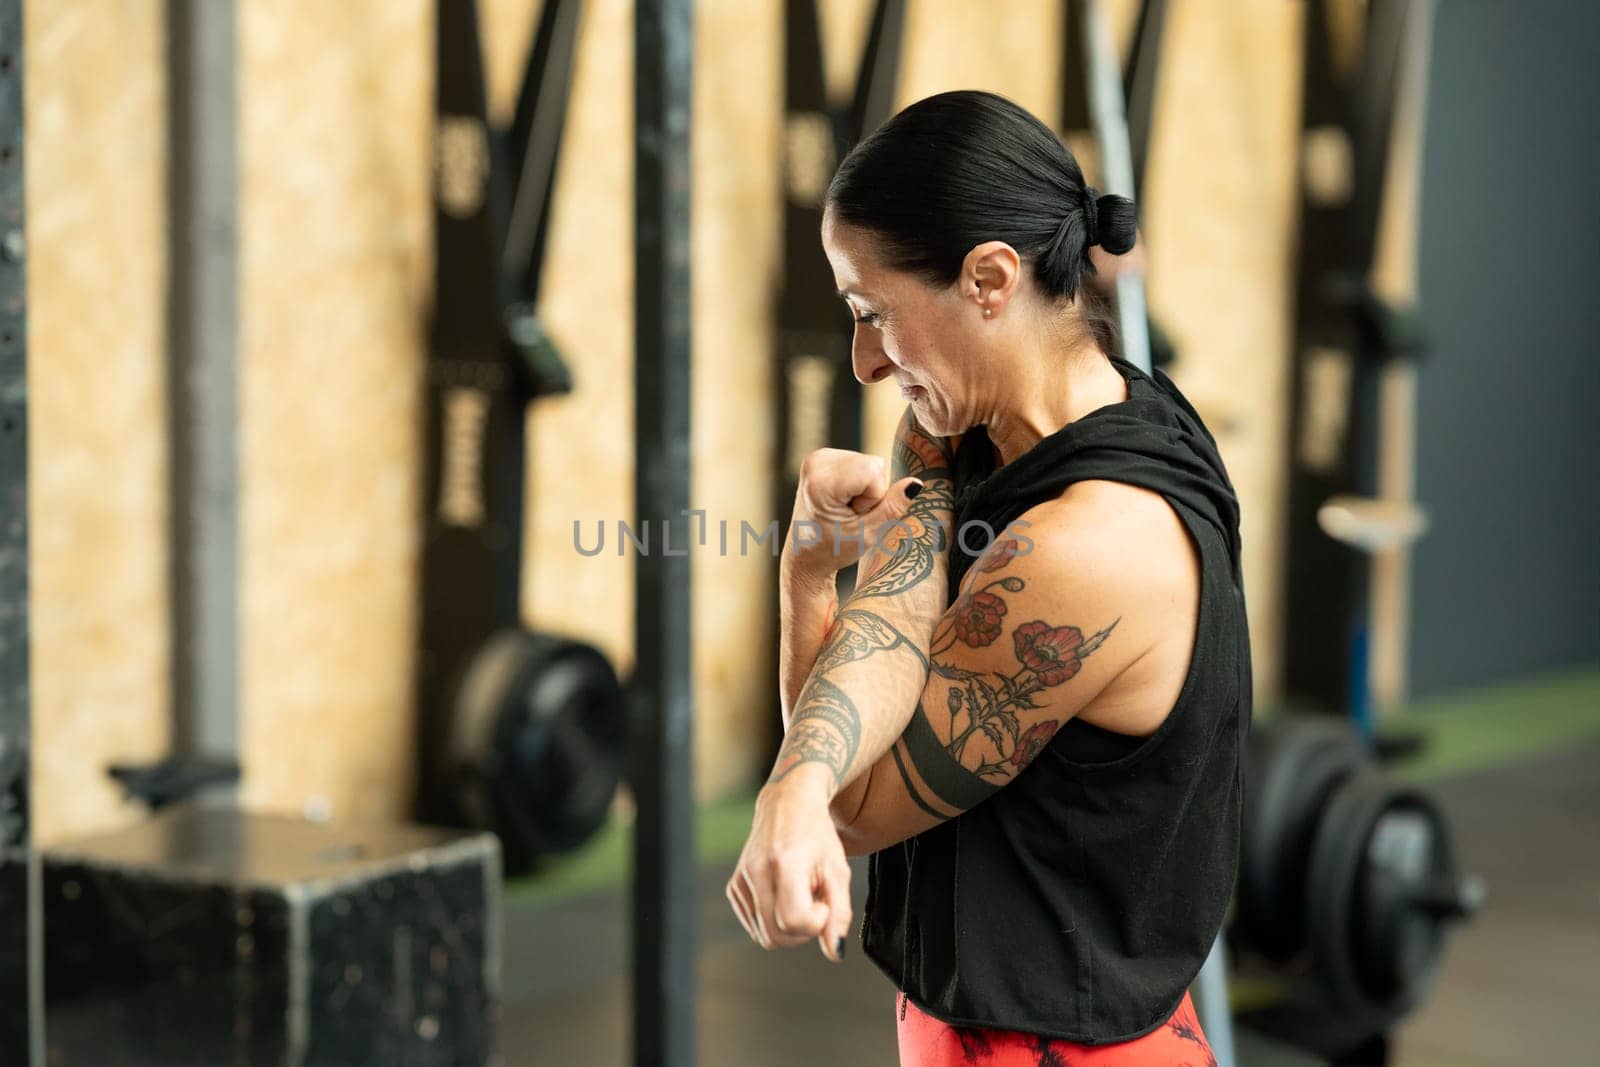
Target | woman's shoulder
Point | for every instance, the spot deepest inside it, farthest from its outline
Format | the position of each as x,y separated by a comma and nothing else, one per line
1127,551
1131,534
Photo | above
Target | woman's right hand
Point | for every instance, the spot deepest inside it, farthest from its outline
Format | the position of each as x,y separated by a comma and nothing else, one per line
843,504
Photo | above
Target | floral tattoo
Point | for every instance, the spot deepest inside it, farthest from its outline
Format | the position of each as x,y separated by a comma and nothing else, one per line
983,729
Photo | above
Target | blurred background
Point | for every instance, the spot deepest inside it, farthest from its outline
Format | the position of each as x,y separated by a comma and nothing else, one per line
274,268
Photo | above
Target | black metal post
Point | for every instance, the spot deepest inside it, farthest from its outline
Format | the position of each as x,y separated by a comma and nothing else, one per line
533,146
1075,114
1105,78
813,347
877,75
664,863
1139,85
473,413
1337,347
488,358
21,944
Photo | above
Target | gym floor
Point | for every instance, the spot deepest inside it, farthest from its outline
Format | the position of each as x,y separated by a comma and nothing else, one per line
1517,770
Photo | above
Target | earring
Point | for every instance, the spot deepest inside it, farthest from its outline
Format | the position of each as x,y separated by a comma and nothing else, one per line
988,313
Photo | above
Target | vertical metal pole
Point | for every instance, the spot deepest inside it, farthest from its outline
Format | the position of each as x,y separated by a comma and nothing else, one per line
21,937
1336,353
1139,85
1213,1009
1106,104
664,864
873,104
1116,163
201,379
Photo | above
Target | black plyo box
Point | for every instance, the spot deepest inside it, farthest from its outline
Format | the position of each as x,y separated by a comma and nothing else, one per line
220,938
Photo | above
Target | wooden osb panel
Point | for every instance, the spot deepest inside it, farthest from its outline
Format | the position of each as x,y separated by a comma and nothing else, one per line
335,113
95,148
738,97
581,445
336,262
335,108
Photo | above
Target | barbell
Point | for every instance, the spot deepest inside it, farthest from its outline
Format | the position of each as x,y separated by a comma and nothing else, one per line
1345,873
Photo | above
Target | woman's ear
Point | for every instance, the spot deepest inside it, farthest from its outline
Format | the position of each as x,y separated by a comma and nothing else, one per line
990,275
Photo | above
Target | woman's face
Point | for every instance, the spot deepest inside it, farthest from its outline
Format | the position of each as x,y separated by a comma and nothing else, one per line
925,338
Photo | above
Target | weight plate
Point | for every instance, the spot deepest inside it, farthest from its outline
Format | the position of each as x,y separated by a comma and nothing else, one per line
1292,765
1333,891
537,743
1410,890
1382,884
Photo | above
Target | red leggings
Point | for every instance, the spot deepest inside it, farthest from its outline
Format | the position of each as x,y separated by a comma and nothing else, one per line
929,1042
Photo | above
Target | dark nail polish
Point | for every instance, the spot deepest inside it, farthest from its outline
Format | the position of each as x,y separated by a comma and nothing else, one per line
912,490
838,948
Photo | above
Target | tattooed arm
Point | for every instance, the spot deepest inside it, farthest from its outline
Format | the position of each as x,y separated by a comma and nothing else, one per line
1037,633
875,645
792,882
807,606
808,601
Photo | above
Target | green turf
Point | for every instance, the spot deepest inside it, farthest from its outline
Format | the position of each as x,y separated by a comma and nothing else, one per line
1500,725
606,860
1461,733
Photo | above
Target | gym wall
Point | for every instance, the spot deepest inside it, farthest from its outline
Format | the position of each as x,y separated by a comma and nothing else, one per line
1505,583
95,158
334,125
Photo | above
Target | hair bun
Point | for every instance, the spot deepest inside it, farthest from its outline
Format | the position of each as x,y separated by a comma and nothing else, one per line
1113,222
1091,217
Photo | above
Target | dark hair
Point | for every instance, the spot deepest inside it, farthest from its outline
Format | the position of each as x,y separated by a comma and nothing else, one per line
960,168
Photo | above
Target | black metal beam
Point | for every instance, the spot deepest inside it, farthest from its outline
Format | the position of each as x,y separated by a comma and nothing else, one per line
819,402
534,145
1075,113
664,890
473,412
1139,85
1375,98
21,970
815,138
879,71
488,357
469,306
876,77
1342,337
1319,575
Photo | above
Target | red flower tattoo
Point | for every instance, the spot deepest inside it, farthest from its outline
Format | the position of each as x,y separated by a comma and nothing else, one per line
1052,654
1032,742
999,554
978,620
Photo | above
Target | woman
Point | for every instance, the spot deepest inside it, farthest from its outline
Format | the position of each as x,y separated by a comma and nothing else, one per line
1030,711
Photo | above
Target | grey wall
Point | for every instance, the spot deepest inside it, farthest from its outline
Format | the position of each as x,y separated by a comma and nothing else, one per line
1507,583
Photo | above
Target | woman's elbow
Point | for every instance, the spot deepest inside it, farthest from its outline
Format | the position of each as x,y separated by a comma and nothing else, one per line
856,839
855,843
850,835
853,811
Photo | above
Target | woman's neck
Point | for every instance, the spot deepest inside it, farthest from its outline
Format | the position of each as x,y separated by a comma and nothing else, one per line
1059,392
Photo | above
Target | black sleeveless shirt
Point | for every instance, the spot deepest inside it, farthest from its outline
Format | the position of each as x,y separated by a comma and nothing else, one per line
1080,900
